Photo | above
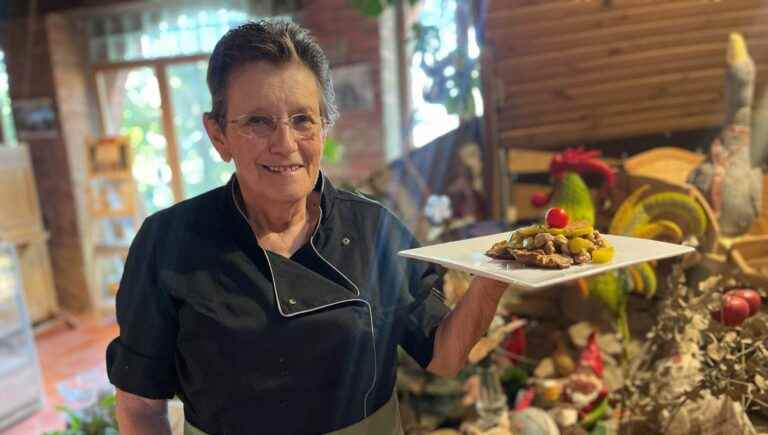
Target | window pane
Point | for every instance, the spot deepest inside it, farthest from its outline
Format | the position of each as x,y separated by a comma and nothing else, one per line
131,100
161,31
6,118
201,167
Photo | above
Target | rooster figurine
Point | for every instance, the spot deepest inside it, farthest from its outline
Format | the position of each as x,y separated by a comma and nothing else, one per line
570,192
727,178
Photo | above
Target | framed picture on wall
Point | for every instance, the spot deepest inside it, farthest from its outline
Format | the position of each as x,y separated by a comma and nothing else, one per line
35,118
353,87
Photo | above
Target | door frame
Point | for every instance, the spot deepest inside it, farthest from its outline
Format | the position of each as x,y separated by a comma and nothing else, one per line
160,68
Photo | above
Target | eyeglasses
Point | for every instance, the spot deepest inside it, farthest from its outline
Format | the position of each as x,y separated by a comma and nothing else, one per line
253,126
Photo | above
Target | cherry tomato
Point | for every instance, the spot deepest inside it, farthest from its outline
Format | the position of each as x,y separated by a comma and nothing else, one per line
752,297
557,217
733,311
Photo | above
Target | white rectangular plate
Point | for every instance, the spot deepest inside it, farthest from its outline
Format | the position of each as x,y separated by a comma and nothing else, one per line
469,256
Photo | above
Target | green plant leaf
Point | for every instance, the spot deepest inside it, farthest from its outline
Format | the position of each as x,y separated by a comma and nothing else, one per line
108,400
332,150
369,8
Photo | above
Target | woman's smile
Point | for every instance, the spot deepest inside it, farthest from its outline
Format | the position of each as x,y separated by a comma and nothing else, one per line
283,169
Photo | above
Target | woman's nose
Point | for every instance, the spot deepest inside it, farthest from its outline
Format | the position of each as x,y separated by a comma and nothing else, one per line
283,140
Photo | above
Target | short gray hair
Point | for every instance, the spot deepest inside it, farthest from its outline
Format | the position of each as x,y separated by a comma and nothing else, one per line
278,41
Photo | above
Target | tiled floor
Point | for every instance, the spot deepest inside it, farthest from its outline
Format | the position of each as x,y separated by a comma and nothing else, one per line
64,354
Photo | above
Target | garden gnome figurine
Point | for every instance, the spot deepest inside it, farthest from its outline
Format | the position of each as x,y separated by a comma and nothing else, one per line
727,178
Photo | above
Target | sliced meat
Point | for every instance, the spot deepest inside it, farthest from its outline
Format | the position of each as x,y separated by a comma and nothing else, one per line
540,258
582,257
501,251
541,239
598,239
561,245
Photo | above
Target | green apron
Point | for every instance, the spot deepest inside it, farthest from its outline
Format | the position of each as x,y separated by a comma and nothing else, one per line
385,421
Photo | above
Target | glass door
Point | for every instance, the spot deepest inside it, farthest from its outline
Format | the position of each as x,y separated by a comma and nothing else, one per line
201,167
131,106
160,108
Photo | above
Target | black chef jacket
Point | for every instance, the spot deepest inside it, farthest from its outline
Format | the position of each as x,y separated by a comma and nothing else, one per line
252,341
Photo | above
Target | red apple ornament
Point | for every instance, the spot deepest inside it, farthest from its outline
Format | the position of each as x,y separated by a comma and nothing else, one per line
733,311
752,297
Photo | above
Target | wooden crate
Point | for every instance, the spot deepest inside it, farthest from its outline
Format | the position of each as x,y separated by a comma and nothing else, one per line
21,224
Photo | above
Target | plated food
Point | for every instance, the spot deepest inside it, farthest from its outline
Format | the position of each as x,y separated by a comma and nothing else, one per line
549,246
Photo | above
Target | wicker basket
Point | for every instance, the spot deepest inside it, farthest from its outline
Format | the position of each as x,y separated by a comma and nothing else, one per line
670,164
750,255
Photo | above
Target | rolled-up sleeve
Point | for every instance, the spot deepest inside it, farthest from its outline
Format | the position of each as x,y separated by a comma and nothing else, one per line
420,297
141,360
424,315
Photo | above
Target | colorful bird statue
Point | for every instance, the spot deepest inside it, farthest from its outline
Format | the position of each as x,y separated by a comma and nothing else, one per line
671,216
727,178
570,192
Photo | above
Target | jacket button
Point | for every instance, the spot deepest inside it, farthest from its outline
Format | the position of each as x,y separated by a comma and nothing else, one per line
345,241
292,301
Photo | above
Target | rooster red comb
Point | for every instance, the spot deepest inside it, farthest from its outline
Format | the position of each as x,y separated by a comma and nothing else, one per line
582,162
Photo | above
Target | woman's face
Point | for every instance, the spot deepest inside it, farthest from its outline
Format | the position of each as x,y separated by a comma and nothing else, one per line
273,131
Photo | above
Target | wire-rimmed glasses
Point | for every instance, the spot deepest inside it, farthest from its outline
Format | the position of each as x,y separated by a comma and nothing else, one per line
258,126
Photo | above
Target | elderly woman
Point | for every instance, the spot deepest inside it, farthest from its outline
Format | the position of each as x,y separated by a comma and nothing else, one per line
275,304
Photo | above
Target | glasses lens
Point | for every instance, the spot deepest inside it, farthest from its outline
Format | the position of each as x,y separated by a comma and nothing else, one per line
259,126
256,126
303,125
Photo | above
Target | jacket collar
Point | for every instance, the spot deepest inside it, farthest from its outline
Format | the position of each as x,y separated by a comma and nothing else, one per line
289,280
232,198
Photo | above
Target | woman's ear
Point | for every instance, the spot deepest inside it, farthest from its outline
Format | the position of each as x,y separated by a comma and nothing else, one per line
217,137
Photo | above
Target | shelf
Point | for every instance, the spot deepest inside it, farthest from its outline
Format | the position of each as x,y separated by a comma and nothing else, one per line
101,214
114,209
113,248
24,236
112,176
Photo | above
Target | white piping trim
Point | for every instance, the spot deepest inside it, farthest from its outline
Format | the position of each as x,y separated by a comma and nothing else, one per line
375,360
366,199
357,291
370,310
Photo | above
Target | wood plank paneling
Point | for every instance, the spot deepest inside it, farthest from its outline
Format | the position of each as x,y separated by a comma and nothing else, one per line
575,71
555,114
543,41
567,17
554,136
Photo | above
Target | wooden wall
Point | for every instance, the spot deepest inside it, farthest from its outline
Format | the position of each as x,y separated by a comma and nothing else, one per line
567,72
